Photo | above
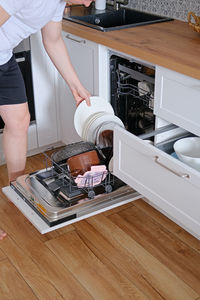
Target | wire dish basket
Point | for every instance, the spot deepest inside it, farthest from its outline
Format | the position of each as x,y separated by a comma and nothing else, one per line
143,90
73,185
195,26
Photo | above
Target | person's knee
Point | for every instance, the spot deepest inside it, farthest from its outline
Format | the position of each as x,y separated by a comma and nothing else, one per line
23,123
19,125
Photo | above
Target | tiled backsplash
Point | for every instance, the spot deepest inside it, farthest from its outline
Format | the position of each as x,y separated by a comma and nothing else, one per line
177,9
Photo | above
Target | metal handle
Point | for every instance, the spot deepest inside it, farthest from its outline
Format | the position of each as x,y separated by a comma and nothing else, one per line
75,40
20,59
174,172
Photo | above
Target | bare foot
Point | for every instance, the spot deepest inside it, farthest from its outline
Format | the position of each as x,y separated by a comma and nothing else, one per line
2,234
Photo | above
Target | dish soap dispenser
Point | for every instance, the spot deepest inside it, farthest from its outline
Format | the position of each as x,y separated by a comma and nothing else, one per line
100,4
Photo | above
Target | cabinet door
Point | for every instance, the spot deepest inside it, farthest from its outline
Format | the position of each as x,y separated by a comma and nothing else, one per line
43,72
169,184
84,57
177,99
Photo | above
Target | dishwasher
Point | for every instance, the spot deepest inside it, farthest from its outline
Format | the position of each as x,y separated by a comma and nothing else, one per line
50,199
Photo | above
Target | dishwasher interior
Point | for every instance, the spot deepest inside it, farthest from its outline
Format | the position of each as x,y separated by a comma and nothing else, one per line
132,93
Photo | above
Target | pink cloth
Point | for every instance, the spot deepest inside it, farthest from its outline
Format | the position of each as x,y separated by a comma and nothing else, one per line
93,177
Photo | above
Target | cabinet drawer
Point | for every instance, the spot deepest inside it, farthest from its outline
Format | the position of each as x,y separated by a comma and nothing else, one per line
177,99
169,184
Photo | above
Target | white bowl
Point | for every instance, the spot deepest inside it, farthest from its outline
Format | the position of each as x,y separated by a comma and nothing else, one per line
84,112
188,151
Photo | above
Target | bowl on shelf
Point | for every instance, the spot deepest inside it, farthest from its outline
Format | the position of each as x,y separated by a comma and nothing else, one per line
188,151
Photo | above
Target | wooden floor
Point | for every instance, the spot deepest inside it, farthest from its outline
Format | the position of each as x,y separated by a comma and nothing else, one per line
132,252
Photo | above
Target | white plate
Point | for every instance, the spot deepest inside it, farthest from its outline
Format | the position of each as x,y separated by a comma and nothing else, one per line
110,165
88,123
104,122
83,111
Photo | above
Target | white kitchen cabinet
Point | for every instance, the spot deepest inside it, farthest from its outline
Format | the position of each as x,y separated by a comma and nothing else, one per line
44,76
170,185
167,183
84,57
177,99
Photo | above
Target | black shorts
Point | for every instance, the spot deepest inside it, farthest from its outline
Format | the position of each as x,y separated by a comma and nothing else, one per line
12,88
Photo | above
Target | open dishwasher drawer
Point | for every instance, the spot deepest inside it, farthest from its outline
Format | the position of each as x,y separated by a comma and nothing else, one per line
50,198
171,186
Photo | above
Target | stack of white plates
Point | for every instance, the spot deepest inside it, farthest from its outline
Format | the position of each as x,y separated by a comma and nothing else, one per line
89,120
84,114
102,124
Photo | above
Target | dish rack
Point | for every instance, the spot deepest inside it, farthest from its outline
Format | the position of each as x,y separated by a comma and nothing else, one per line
55,173
127,87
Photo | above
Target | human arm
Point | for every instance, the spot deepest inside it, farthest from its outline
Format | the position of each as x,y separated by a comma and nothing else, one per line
4,16
9,8
57,51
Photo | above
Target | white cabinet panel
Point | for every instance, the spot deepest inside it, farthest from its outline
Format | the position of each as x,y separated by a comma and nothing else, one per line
44,93
165,181
177,99
32,137
84,57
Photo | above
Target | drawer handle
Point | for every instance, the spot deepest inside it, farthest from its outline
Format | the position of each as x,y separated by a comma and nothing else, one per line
174,172
75,40
20,59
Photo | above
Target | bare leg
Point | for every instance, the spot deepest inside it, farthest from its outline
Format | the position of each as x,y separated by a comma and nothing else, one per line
16,118
2,234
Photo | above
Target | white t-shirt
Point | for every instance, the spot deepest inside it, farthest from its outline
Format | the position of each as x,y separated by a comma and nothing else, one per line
27,17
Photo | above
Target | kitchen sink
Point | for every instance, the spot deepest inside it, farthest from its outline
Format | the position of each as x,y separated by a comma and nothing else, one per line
116,19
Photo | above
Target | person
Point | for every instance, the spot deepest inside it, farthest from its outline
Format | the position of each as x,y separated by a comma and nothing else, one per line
18,20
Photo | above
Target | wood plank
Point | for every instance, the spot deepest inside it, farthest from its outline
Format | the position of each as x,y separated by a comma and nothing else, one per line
2,255
3,176
56,233
43,272
101,281
163,245
12,285
128,266
180,233
29,270
34,261
133,259
118,209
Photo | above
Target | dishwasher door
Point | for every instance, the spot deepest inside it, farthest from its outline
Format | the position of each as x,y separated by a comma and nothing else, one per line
46,217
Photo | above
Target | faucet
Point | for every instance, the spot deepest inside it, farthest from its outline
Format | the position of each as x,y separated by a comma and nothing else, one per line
116,3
